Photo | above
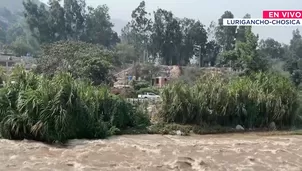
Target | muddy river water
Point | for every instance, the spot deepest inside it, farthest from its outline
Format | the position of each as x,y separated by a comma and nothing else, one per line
158,153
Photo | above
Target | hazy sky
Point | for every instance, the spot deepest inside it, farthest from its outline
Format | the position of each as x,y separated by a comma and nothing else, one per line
209,10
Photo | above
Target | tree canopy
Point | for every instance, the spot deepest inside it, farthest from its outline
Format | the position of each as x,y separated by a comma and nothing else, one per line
158,36
70,21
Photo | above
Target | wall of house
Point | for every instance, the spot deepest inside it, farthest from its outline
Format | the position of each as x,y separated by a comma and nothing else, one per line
159,81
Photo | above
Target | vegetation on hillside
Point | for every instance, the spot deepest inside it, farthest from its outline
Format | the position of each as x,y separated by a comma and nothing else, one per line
83,60
68,95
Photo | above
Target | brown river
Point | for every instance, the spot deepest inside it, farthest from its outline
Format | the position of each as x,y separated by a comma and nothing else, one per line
245,152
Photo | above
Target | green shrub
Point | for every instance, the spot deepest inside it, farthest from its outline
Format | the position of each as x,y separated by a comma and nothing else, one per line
148,89
253,101
137,85
141,118
61,108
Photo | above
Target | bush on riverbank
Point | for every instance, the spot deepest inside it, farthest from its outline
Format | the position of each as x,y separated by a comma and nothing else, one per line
61,108
252,101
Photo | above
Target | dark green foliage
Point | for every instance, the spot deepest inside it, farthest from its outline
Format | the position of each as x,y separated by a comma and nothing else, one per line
270,48
21,47
166,37
245,57
137,85
83,60
293,59
62,108
70,21
253,101
226,36
138,30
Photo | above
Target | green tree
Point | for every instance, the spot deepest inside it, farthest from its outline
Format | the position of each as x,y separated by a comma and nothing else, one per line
293,58
38,19
245,57
83,60
166,37
199,37
291,61
226,36
126,53
296,44
57,20
193,33
74,18
212,47
240,34
94,67
70,22
212,51
271,49
187,42
21,46
99,28
140,29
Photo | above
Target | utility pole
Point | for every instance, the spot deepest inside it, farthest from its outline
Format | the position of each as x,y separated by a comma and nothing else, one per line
198,47
144,56
200,63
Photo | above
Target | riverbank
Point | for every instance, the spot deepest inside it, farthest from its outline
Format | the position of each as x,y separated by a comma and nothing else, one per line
187,130
61,108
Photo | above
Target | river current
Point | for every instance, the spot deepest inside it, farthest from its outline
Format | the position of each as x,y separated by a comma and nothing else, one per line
229,152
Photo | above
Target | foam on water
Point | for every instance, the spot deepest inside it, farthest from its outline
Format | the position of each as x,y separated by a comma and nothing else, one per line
157,153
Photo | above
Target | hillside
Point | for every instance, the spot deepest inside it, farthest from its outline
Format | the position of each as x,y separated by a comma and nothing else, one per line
14,6
11,12
8,18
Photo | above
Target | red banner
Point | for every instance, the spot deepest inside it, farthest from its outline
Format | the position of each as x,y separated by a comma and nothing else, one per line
282,14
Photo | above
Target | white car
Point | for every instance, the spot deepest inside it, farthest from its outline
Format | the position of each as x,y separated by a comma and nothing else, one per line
148,96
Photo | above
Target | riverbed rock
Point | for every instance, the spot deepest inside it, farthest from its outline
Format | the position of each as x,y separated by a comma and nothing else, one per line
178,132
272,126
70,164
239,128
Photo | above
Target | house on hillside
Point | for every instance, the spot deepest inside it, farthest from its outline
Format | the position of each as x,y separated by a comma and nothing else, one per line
8,62
159,81
172,72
